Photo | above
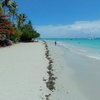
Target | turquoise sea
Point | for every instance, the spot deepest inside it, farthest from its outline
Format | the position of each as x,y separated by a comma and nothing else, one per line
86,47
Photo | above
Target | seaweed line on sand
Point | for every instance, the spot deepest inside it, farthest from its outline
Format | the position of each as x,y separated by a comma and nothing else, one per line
50,82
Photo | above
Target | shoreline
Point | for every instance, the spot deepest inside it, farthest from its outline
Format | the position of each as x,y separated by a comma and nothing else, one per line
77,75
66,87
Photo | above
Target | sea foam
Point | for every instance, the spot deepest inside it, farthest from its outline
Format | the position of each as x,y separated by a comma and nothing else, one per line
88,52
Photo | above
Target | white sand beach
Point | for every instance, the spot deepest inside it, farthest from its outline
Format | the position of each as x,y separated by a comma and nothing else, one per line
78,75
22,68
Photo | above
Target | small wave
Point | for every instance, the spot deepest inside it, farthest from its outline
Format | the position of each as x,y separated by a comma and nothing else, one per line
95,57
78,50
83,50
72,47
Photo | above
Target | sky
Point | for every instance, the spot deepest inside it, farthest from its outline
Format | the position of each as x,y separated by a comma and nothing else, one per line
63,18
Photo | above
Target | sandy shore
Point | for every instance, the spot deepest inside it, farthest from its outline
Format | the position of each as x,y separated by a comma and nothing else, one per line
78,75
43,71
66,88
22,69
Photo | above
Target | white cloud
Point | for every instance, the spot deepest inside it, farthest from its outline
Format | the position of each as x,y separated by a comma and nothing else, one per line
77,29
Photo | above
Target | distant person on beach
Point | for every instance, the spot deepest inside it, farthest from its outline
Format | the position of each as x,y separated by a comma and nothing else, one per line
55,43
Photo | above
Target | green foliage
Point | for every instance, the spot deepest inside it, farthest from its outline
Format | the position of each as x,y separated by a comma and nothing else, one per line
21,18
35,35
28,33
16,36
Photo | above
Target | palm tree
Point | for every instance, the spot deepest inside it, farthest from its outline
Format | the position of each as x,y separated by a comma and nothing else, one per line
0,5
20,20
13,10
5,5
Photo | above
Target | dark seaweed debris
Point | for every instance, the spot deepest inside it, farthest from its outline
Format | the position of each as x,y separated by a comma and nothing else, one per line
50,82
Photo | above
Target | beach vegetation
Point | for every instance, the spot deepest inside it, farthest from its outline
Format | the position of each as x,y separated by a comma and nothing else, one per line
14,26
6,29
28,33
21,18
16,36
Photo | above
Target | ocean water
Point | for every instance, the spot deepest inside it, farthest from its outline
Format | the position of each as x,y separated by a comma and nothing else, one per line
86,47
